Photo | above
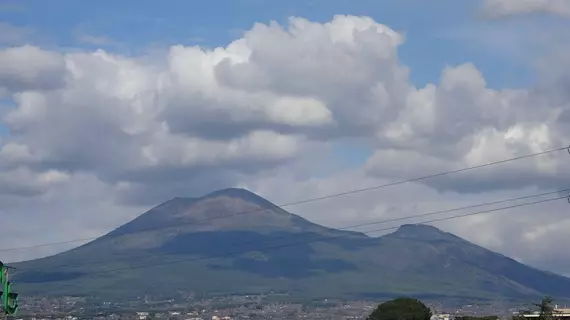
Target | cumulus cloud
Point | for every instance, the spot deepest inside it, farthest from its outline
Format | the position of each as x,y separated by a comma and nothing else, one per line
501,8
307,59
121,133
30,68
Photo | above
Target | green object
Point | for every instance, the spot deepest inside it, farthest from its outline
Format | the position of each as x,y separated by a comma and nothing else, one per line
401,309
9,298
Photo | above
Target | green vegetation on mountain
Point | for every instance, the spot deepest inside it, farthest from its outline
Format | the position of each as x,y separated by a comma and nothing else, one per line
183,245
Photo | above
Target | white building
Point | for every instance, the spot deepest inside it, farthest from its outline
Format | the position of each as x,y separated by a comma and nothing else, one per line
563,313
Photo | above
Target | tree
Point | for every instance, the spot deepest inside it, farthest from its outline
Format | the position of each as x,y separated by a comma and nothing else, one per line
545,309
403,308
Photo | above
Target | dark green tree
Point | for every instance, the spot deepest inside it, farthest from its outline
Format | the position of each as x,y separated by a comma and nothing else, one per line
545,309
403,308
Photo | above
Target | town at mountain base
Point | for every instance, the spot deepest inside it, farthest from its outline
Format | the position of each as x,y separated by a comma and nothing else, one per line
183,245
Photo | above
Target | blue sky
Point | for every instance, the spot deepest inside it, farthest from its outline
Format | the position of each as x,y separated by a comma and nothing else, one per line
438,33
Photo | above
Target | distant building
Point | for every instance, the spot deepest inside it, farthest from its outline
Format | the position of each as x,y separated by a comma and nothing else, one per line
558,313
442,316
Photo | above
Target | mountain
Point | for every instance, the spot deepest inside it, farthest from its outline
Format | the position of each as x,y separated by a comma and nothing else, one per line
234,241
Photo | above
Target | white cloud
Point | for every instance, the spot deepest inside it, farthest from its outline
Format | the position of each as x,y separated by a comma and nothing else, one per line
500,8
98,137
30,68
23,181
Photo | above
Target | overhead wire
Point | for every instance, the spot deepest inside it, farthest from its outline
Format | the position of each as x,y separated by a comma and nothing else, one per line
336,237
327,238
365,224
281,206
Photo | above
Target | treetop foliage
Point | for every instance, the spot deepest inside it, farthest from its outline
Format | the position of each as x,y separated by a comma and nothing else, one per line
403,308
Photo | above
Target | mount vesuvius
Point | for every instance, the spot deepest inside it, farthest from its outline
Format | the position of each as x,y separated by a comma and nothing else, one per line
182,244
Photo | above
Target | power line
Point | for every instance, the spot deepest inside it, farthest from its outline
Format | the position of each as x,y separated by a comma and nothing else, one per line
339,237
318,240
348,227
330,196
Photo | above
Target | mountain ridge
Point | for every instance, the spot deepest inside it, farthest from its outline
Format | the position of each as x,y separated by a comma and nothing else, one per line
203,245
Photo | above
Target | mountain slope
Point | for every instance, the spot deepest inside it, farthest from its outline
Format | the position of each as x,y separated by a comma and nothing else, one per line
183,244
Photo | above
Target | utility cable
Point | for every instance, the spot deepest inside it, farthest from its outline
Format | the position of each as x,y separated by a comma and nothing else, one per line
328,238
432,213
330,196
